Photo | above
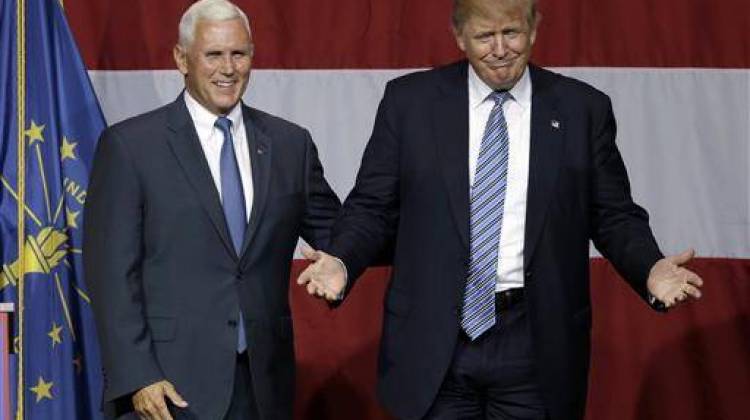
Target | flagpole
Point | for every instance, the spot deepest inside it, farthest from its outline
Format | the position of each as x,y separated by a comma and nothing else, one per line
21,176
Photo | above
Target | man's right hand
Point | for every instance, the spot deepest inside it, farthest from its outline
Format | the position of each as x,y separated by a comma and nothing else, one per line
150,404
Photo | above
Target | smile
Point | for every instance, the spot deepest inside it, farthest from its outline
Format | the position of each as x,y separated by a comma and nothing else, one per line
500,64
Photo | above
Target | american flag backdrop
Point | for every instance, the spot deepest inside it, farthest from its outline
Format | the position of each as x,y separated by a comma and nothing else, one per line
678,72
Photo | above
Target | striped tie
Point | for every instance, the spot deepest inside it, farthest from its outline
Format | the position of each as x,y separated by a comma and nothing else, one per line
487,200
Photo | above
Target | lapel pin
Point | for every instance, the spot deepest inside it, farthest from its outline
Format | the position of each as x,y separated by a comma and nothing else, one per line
555,124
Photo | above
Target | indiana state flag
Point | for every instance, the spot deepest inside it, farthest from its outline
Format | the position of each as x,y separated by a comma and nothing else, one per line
49,123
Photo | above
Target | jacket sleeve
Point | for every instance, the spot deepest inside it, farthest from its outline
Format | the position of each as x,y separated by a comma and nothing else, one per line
322,205
620,228
369,217
113,256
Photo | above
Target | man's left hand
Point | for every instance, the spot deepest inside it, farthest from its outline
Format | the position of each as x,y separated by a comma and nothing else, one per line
325,277
673,284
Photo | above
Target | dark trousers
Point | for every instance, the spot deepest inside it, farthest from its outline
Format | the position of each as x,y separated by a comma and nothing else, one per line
493,377
242,405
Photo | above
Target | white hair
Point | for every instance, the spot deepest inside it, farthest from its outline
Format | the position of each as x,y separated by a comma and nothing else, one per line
211,10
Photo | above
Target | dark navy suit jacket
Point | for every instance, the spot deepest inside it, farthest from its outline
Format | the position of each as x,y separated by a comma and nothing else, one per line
412,195
166,282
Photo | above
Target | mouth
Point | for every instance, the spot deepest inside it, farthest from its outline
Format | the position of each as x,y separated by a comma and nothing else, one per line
500,64
224,84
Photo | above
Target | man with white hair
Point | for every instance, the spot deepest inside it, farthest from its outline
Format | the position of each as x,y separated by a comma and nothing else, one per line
192,217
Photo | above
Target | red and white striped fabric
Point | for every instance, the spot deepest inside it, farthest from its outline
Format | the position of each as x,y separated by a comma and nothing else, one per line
678,73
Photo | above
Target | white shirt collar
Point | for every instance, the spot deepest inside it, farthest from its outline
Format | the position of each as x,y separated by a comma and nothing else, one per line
204,119
479,91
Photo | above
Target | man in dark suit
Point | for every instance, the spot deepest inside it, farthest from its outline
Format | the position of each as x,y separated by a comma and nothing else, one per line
488,178
193,214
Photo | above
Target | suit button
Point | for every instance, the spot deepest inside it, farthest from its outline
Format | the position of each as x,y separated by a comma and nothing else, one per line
238,275
232,323
527,274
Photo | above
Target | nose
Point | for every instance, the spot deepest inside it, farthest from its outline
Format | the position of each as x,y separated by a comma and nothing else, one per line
498,46
226,67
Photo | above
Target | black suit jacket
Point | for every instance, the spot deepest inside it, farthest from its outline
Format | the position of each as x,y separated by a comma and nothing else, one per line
166,282
412,193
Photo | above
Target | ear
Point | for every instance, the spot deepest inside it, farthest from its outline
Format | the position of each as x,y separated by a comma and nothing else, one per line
458,35
532,35
180,59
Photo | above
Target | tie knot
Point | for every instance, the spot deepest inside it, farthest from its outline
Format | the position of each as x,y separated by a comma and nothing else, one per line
224,124
500,96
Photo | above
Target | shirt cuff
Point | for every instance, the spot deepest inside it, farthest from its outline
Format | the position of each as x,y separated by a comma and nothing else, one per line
346,277
656,304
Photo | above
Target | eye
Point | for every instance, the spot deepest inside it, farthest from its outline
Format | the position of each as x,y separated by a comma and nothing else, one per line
511,33
484,36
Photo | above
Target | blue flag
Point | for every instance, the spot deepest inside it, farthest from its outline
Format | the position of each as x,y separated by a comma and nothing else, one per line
49,123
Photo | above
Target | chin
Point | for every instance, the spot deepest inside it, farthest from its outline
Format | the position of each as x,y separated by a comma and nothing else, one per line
226,105
506,82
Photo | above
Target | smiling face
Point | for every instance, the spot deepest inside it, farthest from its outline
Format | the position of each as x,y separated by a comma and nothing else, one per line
216,64
497,40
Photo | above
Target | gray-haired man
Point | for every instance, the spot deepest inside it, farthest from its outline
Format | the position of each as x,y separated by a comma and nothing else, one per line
193,214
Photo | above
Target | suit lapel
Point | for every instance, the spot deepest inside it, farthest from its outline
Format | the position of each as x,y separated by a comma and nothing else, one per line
451,133
259,146
184,142
547,136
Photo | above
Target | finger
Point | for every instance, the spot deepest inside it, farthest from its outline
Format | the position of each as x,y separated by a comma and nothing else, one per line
306,276
310,253
147,410
154,405
162,412
142,415
331,297
321,290
692,291
174,396
694,279
140,407
683,257
671,299
311,288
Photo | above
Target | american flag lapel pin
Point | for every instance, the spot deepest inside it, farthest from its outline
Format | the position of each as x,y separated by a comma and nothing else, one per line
555,124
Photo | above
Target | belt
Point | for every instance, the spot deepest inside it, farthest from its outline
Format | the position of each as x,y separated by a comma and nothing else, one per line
508,298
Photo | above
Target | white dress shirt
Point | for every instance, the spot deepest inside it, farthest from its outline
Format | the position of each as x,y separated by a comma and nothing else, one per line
517,113
211,139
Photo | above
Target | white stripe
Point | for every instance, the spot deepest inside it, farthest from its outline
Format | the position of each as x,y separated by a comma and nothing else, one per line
684,135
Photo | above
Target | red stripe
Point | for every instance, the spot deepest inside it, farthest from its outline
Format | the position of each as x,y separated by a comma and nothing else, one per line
689,364
337,34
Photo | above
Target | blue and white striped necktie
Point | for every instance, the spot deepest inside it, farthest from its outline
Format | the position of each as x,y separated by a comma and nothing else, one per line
486,212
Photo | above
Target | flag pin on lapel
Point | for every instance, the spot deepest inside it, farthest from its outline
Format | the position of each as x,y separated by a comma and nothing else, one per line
555,124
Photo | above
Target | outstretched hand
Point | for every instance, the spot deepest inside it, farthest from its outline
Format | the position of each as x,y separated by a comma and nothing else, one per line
673,284
325,277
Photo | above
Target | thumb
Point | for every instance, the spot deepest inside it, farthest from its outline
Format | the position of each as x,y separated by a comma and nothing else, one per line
173,396
682,258
310,253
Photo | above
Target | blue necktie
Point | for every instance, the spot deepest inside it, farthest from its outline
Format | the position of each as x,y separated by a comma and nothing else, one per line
486,212
233,201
